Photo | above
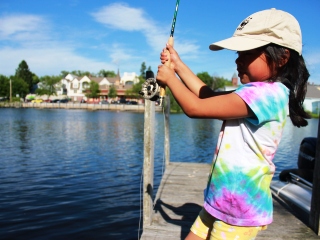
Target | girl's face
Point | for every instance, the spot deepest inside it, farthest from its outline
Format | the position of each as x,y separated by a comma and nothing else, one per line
252,66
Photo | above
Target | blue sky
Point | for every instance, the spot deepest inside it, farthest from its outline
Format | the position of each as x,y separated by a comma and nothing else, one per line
56,35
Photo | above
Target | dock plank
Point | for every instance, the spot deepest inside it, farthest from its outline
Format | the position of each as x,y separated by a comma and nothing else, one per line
180,198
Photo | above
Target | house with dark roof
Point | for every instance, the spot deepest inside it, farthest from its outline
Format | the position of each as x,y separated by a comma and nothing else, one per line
74,87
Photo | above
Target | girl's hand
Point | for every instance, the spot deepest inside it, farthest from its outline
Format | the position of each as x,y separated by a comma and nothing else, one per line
164,75
173,57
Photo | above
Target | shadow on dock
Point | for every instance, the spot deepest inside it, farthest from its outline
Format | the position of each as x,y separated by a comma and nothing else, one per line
187,213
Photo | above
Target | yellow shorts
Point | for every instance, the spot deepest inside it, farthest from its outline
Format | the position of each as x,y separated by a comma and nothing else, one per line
206,225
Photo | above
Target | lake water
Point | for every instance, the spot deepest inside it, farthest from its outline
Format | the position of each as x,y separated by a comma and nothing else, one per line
76,174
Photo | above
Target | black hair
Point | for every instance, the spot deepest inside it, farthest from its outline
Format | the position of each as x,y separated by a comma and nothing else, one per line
294,75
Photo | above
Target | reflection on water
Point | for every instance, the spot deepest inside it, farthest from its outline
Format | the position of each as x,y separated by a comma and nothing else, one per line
77,174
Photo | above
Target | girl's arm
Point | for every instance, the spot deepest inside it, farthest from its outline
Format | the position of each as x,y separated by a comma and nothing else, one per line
228,106
196,85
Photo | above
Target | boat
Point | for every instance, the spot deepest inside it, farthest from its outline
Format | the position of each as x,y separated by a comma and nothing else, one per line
294,187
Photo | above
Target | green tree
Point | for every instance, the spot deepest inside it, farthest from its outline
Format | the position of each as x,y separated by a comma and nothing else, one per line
105,73
80,73
4,86
220,82
143,70
206,78
63,74
214,82
23,72
48,85
35,79
174,106
136,88
19,86
112,92
134,92
93,90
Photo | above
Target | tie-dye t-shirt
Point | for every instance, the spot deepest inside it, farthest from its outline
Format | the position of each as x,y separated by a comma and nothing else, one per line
238,190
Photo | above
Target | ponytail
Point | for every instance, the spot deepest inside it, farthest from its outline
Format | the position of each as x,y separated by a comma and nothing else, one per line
294,75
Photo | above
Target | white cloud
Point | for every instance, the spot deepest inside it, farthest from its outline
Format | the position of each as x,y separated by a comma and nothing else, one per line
48,61
123,17
134,19
119,54
22,27
33,38
312,59
25,37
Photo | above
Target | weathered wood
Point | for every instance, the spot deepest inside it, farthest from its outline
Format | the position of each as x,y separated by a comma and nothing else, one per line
167,130
178,201
315,200
148,162
180,198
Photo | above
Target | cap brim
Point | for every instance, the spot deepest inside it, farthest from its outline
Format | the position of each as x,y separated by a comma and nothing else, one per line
239,43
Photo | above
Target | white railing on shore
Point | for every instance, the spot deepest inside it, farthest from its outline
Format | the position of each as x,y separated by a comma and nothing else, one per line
71,105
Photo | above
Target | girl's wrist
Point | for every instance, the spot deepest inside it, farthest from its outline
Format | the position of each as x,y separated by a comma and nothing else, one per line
178,66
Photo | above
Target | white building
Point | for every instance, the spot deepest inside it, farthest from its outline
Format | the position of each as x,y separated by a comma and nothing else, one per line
129,78
73,86
312,99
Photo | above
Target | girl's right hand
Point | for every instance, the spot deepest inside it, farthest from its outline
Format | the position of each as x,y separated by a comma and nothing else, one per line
173,56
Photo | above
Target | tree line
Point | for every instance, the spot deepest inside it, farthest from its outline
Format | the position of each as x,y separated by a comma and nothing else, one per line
24,81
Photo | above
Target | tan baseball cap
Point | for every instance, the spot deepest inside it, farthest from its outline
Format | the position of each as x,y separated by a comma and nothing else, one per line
261,28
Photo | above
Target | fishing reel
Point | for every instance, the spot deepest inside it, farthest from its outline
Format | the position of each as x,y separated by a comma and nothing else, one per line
150,88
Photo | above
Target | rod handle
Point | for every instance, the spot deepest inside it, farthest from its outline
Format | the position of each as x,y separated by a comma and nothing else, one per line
167,63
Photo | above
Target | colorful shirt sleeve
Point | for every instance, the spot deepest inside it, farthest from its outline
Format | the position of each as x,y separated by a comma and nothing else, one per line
267,100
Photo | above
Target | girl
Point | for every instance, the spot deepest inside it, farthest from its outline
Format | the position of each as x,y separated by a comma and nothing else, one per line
237,200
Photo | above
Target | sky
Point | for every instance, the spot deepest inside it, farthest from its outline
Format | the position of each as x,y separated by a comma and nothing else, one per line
66,35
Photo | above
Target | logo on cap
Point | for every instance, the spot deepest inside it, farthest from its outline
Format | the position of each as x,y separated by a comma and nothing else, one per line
245,22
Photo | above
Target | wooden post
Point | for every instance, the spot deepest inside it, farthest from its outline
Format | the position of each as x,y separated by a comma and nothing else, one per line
167,130
148,163
315,200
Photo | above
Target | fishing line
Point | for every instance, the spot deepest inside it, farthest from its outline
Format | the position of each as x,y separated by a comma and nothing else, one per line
163,156
141,189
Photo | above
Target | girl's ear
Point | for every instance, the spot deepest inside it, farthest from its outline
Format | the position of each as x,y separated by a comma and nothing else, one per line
284,59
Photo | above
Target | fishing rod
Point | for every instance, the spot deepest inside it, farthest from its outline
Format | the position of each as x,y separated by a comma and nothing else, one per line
170,42
150,88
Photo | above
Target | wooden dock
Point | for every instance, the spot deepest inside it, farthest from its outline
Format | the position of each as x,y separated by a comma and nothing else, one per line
179,200
180,195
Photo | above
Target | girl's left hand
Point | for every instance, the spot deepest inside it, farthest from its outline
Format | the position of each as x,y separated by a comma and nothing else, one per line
164,75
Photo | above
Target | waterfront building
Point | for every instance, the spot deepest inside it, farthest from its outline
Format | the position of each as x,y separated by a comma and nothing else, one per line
74,87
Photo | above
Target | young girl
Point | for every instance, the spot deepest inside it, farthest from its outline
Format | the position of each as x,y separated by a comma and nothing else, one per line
237,200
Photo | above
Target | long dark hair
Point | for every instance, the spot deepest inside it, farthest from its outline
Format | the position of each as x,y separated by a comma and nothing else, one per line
294,75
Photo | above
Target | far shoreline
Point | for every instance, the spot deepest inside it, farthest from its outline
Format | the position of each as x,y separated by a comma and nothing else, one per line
85,106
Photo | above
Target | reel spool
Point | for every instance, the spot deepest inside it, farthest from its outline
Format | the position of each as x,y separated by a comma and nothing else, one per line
150,89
